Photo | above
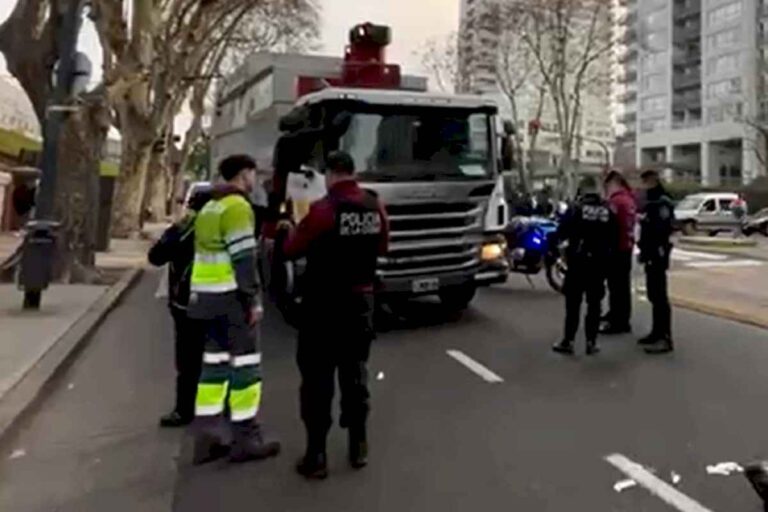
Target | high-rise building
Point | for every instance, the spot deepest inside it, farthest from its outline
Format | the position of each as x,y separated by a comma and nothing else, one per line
483,32
699,83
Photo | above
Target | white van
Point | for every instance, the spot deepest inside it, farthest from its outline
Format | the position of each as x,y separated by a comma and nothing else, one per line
706,213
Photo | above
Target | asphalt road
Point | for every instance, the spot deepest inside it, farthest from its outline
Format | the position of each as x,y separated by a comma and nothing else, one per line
444,436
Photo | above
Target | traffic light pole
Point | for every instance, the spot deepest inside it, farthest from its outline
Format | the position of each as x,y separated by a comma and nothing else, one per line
39,245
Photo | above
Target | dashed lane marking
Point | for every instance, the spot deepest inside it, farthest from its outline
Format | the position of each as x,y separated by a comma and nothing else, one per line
654,485
484,373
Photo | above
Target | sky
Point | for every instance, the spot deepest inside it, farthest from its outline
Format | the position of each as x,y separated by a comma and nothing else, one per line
413,22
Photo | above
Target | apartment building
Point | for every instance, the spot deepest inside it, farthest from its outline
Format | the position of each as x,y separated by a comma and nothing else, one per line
480,34
699,82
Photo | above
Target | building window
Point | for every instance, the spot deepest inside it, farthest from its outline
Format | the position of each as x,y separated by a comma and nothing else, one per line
653,82
653,104
652,125
724,39
724,14
654,60
724,88
723,64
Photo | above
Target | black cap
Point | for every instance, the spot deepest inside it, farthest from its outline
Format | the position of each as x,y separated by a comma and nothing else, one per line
233,165
649,173
340,162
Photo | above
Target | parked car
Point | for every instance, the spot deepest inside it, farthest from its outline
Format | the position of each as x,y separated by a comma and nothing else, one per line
757,223
706,213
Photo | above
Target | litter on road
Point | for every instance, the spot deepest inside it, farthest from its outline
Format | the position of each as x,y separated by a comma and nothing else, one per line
380,376
724,469
17,454
623,485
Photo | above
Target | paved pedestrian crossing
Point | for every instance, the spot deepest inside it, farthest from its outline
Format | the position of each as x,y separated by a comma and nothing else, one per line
702,260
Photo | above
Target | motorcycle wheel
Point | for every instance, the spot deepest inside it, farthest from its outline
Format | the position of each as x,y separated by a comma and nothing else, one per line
556,274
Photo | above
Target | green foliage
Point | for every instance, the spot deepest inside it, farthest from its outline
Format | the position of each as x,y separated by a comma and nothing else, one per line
199,161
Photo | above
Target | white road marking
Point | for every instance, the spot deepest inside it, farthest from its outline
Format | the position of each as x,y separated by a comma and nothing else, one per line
725,264
484,373
624,484
654,485
698,255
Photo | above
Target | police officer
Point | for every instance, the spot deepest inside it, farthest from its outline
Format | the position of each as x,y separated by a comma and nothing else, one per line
656,223
176,248
342,236
590,229
226,297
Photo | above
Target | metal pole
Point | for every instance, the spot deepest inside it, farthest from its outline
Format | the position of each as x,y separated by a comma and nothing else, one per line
54,120
40,243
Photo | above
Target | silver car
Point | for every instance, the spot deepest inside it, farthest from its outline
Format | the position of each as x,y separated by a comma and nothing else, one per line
706,213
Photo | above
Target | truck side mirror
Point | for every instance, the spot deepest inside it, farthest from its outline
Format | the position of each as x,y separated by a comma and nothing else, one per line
509,128
507,154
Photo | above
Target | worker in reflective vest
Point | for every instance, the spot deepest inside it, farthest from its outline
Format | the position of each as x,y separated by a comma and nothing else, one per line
226,297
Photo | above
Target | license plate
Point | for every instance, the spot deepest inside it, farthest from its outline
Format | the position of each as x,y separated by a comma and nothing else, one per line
431,284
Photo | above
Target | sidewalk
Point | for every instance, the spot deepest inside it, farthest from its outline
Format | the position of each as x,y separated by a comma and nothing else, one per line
33,344
739,294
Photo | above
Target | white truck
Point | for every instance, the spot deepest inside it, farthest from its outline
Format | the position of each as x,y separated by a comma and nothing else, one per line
431,158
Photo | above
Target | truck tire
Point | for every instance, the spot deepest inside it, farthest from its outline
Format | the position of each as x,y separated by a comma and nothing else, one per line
689,228
458,299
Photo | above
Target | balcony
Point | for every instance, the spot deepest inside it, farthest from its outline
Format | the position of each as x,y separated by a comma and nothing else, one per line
629,37
686,58
628,118
683,124
687,101
683,34
682,12
628,96
687,80
629,56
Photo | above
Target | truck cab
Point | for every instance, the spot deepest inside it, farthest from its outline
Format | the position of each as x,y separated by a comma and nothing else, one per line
431,159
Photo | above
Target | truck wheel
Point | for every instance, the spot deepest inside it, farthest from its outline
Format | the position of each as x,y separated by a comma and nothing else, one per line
689,228
458,299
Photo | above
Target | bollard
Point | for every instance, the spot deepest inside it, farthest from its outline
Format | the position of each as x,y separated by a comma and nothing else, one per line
37,261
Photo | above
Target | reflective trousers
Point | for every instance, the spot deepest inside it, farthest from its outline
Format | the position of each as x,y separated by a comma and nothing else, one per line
231,374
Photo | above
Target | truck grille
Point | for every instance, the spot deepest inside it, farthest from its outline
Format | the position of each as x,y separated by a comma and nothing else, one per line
434,238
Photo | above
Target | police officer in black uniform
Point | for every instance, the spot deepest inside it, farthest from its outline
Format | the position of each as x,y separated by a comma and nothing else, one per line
591,232
342,236
656,224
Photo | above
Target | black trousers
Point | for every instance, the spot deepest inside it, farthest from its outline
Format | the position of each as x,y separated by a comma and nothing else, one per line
620,289
189,343
580,281
334,342
658,296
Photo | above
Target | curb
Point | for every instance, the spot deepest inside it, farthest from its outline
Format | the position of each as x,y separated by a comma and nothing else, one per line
720,312
22,398
734,243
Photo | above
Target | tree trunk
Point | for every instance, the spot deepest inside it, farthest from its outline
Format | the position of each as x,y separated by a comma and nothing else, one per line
130,189
155,200
567,184
77,194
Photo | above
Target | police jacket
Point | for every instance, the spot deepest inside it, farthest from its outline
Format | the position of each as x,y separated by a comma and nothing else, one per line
176,248
591,230
656,225
342,237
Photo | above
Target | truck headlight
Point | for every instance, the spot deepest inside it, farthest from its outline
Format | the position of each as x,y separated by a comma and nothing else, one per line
493,251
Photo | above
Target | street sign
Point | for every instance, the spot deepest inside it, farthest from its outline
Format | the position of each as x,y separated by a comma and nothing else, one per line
81,76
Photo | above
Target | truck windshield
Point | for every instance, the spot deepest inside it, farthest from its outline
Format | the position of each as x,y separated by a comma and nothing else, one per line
420,144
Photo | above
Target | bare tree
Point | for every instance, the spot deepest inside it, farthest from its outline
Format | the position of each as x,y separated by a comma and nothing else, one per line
288,26
151,61
29,43
568,39
440,58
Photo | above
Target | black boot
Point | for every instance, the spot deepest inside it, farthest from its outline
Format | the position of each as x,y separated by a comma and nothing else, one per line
174,420
661,346
592,348
564,347
313,466
757,474
208,448
248,443
358,448
648,340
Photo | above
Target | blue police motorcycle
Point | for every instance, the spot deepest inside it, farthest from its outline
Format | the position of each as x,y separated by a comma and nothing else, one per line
532,247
